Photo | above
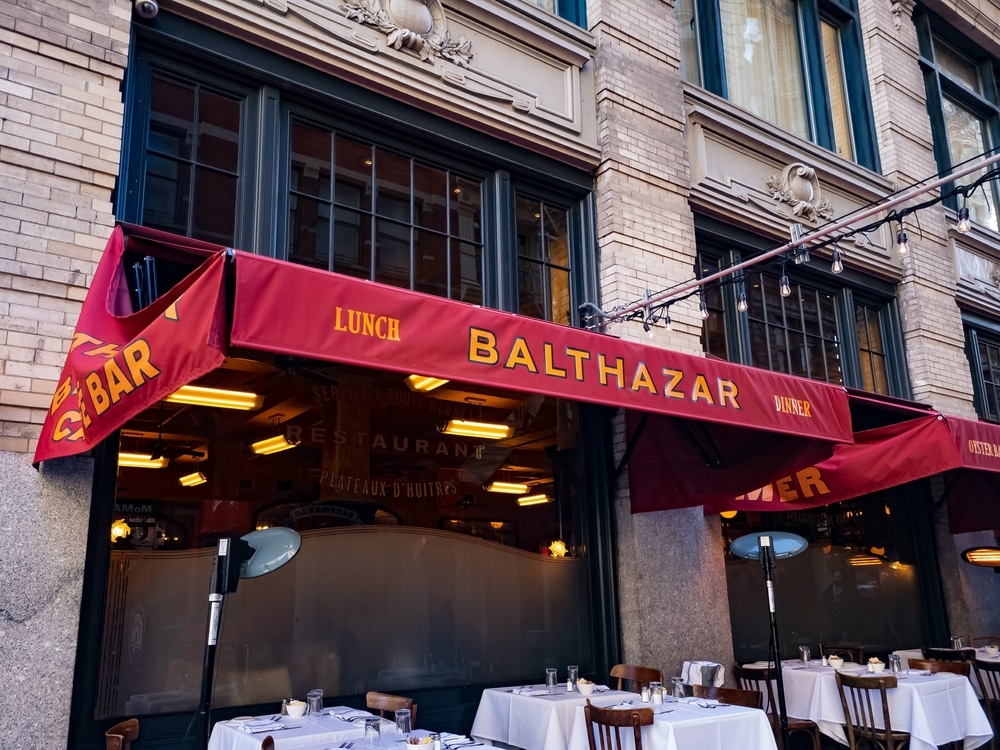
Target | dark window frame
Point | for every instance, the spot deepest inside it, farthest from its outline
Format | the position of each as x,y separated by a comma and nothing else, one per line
981,331
810,13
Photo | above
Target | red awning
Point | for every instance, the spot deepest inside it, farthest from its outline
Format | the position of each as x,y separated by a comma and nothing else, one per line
730,410
120,362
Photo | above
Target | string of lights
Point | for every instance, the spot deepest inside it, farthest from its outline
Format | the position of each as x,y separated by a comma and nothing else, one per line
654,308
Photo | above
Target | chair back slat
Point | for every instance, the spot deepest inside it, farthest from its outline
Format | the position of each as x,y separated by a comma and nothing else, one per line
636,676
963,668
732,696
383,702
949,654
988,675
853,651
762,681
610,722
866,706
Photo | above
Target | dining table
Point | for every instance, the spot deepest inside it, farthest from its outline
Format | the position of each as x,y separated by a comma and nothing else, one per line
335,726
690,724
934,709
533,718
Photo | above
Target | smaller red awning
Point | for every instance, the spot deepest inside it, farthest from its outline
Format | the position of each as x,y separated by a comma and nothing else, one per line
120,362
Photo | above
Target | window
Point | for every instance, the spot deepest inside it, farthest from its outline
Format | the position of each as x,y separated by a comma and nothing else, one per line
424,217
983,351
192,160
787,61
573,11
964,109
424,223
817,331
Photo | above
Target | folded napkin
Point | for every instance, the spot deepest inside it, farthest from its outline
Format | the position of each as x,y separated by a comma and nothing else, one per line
350,715
261,725
759,665
700,701
704,673
532,691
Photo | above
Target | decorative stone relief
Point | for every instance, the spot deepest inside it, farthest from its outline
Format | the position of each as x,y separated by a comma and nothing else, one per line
798,187
896,8
415,25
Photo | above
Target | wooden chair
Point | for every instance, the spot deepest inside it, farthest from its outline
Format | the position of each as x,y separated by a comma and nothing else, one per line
988,674
120,736
610,722
267,743
762,681
982,640
940,665
636,676
854,652
949,654
732,696
383,702
856,693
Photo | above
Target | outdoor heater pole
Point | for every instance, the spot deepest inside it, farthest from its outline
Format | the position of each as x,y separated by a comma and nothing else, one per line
767,563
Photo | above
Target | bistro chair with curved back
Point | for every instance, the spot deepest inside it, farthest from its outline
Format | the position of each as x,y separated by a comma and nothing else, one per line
983,640
732,696
940,665
635,675
862,715
849,651
603,724
763,682
949,654
988,674
120,736
383,702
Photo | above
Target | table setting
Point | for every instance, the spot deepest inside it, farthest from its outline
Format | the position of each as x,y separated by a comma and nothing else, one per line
334,725
689,724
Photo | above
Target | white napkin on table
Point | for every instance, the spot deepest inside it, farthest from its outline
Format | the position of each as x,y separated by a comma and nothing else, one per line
759,665
532,691
350,715
261,725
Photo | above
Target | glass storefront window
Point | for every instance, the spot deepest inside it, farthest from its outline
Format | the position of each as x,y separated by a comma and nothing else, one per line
413,574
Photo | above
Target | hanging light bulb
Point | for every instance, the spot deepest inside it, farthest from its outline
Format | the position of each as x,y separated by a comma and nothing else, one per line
902,241
667,322
838,260
964,222
785,287
703,306
741,301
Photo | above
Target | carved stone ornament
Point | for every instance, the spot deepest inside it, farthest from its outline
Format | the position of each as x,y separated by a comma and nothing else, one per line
415,25
798,186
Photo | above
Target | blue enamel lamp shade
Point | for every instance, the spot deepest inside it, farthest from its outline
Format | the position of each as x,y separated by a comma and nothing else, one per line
784,543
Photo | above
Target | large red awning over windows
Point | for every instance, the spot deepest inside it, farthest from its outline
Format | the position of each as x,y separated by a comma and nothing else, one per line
121,363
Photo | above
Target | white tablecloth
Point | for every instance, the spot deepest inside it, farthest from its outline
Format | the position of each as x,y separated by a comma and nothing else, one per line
303,732
934,709
692,726
534,722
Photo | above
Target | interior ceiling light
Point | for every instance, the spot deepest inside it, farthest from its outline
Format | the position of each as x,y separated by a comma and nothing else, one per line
509,488
534,499
120,529
192,480
142,461
198,395
986,557
273,445
488,430
863,560
729,513
423,383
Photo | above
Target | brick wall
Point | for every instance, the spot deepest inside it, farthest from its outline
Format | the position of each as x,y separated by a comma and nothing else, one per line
61,65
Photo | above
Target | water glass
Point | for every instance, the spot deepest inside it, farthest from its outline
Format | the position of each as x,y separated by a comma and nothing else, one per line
373,732
957,641
314,702
678,683
403,727
806,654
895,664
550,679
573,674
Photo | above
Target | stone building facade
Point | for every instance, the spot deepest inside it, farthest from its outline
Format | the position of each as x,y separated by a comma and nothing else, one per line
670,160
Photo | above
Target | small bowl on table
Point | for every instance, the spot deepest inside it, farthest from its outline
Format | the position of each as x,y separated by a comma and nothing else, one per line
992,650
877,666
296,709
585,688
836,662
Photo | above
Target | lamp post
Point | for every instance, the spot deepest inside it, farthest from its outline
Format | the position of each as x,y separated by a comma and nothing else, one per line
248,556
766,547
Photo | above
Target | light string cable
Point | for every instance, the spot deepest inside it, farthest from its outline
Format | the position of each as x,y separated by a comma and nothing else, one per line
653,307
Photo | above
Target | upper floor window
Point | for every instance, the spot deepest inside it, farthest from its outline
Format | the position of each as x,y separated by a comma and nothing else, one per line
816,331
983,351
307,187
787,61
962,102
